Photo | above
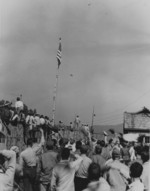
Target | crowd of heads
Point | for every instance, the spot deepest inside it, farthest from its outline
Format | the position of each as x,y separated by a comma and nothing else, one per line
110,151
97,158
8,110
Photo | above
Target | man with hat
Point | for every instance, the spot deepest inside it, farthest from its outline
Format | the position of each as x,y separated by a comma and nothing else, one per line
117,173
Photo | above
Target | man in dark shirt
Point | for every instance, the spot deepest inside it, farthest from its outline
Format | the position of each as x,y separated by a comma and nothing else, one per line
47,162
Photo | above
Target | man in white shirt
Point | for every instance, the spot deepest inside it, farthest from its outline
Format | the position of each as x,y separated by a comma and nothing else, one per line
81,178
77,122
132,152
135,173
63,173
42,120
31,122
116,173
28,162
37,120
96,182
146,168
19,105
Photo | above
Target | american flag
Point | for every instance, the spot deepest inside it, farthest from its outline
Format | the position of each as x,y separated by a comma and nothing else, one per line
59,53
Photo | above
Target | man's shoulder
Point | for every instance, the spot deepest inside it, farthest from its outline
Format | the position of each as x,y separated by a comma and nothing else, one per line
100,158
87,159
19,102
124,166
23,153
95,157
60,165
104,184
146,165
50,153
26,151
135,186
86,189
116,164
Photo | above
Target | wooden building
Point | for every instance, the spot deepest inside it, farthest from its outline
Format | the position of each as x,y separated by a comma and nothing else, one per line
138,122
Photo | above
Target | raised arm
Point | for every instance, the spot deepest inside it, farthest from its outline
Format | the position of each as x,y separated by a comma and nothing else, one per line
42,141
21,162
11,157
53,180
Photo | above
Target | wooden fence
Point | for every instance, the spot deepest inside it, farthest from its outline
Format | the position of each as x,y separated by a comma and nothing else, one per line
16,136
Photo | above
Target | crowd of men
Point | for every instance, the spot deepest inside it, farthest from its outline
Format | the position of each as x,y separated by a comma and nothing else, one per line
69,165
18,113
56,163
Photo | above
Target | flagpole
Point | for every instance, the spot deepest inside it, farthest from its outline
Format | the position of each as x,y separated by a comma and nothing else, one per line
54,98
56,83
93,115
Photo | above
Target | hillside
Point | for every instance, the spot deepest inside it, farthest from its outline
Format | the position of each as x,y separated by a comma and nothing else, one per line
100,128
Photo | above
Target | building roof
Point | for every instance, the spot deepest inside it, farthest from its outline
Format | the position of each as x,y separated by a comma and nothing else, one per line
143,111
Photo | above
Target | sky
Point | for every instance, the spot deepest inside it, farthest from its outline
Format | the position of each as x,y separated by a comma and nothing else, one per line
105,46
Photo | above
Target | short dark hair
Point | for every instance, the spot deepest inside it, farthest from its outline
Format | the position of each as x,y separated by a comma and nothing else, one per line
2,159
98,149
78,144
29,142
98,142
65,154
94,172
63,142
102,143
136,170
110,141
145,153
50,145
18,98
144,156
146,148
84,149
55,142
138,150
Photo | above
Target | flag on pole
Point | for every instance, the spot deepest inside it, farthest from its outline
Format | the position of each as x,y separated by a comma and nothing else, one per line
59,53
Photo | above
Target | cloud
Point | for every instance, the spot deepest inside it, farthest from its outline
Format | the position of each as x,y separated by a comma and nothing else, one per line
105,46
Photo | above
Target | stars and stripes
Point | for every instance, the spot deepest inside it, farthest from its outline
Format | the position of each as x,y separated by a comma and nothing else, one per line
59,53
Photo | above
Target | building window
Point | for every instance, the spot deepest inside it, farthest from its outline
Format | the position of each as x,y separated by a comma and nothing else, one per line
147,139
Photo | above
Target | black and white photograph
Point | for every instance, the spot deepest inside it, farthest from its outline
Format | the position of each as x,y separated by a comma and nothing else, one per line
74,95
